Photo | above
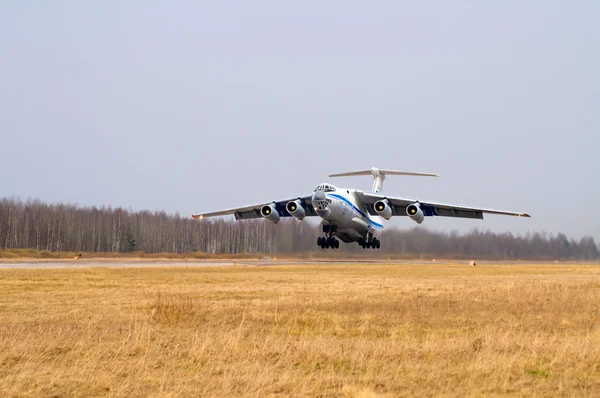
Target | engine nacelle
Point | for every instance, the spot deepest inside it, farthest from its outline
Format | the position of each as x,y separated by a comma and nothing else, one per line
270,213
415,213
383,209
295,208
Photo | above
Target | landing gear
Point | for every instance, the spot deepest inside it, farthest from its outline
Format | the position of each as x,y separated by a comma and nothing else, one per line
329,241
329,229
370,242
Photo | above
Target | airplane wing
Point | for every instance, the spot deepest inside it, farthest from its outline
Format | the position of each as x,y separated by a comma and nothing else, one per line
248,212
399,205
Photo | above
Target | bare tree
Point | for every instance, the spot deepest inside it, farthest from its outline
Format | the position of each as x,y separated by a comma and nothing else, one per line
37,225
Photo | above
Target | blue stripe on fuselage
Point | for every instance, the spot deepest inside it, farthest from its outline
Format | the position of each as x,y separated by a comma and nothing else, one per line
356,209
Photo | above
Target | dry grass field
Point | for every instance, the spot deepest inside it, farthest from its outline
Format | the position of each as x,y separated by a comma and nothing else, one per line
319,330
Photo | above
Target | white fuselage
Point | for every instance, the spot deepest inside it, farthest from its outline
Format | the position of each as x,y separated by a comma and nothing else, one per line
340,207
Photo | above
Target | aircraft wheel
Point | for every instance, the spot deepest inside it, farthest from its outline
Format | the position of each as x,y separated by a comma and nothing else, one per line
337,244
378,243
319,241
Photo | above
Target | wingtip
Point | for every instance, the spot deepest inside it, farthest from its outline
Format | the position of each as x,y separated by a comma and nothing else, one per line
525,215
197,216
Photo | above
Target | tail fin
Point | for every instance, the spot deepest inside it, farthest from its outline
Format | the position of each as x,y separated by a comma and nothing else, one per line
379,175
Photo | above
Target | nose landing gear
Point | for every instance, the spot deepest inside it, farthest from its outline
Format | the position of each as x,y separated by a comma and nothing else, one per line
370,242
329,241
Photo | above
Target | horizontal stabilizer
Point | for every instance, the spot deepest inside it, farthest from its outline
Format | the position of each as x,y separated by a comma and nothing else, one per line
383,172
380,174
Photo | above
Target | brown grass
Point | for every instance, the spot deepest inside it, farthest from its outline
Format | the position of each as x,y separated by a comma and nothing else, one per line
327,330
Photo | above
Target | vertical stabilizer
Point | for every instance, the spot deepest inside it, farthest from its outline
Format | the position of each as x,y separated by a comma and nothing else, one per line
378,178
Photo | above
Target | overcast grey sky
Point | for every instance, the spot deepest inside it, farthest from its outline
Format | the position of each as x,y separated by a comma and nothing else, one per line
195,106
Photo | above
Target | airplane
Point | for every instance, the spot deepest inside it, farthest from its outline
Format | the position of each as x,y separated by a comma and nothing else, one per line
353,215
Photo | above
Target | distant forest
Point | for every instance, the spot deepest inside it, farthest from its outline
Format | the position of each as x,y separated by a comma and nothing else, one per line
33,224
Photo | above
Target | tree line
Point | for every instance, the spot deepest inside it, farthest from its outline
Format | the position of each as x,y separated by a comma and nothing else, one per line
33,224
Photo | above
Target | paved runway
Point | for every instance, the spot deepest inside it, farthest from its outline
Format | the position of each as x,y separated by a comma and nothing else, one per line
126,263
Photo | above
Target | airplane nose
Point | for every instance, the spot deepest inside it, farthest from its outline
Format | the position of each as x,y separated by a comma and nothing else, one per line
319,195
320,203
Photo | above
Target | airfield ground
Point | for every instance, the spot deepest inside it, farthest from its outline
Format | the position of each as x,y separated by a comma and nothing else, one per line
302,330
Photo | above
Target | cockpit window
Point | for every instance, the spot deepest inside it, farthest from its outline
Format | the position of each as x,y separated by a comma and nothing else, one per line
325,188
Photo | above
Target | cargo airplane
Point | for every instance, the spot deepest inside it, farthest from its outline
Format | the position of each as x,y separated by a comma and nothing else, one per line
353,215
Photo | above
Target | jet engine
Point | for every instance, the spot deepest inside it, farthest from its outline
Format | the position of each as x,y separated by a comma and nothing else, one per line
383,209
415,213
295,208
270,213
